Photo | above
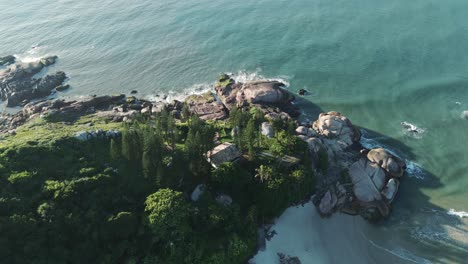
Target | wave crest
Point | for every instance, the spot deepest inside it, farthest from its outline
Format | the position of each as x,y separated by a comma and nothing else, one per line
461,214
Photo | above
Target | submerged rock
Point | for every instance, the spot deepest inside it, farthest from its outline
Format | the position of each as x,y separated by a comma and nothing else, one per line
301,92
10,59
465,114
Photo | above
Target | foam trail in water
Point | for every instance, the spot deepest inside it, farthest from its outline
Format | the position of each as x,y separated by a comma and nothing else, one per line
412,130
412,168
460,214
402,253
180,96
245,76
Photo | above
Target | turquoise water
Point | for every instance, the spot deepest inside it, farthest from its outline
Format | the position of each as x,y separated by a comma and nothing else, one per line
380,63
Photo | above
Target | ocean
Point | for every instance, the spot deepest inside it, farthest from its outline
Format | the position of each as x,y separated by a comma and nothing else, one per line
380,63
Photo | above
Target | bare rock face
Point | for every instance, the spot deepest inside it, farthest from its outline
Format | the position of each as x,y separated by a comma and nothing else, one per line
269,96
393,165
263,92
327,203
302,130
267,130
206,107
391,189
336,126
368,180
18,86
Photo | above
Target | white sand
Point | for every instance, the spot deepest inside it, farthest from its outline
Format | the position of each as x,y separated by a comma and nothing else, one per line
301,232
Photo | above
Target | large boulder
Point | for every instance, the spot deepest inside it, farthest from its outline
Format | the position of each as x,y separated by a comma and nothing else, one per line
263,92
327,203
391,189
393,165
336,126
267,130
255,92
368,180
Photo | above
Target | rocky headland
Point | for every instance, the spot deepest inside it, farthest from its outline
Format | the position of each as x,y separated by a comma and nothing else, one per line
350,178
18,84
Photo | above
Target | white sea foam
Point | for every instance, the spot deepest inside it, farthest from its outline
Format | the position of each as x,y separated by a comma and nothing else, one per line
402,253
412,130
32,55
461,214
241,76
245,76
412,168
171,95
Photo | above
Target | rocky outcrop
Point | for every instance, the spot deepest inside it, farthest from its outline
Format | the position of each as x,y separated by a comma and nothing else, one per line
286,259
336,126
18,86
391,164
258,92
88,135
206,107
353,181
10,59
368,180
327,203
269,96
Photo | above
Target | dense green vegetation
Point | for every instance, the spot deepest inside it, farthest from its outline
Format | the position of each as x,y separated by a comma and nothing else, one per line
127,199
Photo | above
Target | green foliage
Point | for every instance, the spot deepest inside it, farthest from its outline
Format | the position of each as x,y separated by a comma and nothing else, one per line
20,177
167,214
123,200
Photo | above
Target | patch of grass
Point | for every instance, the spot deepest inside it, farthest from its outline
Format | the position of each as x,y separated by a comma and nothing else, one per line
38,131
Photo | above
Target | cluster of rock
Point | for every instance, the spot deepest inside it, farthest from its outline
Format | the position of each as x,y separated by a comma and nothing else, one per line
350,179
94,134
286,259
268,96
18,85
355,180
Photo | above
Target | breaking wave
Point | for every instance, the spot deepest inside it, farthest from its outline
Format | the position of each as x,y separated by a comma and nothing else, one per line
412,130
461,214
32,55
413,169
245,76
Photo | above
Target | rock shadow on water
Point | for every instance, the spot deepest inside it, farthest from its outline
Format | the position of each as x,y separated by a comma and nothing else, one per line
424,226
416,224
